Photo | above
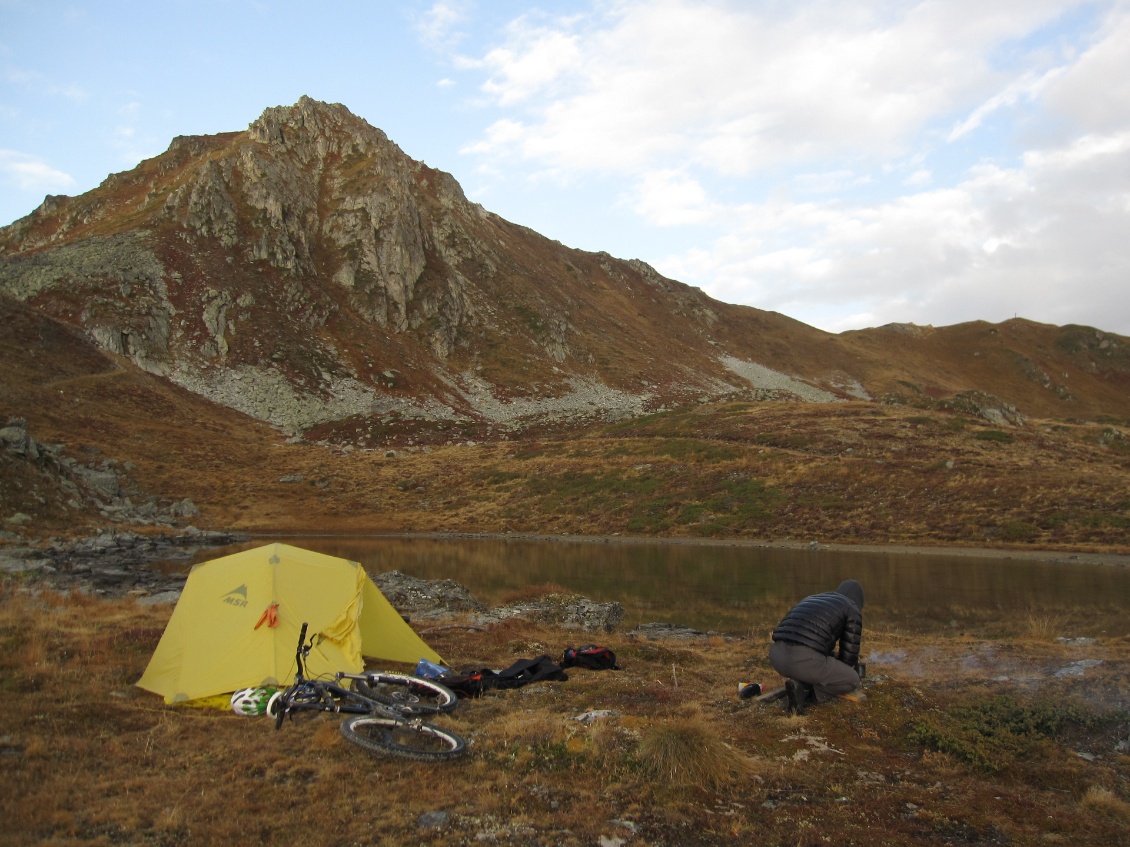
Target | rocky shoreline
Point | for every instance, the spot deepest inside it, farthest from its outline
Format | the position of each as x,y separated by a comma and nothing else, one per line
120,563
117,562
114,563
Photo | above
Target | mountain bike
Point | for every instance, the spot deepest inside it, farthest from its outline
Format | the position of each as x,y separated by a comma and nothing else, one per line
384,709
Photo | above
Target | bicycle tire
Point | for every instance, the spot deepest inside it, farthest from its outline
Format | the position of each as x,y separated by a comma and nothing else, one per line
409,694
276,708
301,697
416,740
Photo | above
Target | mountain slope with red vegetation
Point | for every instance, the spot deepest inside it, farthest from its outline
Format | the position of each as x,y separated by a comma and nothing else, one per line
303,300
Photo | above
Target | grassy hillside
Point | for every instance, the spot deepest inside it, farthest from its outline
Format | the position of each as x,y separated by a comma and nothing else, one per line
849,473
920,471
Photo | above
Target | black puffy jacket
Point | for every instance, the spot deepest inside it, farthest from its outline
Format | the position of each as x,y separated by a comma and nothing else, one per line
822,620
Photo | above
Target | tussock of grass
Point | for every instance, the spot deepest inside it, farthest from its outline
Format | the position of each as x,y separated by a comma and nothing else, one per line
529,729
993,435
1106,802
687,751
1039,627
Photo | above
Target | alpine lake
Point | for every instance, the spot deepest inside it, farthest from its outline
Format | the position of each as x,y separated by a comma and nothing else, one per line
722,587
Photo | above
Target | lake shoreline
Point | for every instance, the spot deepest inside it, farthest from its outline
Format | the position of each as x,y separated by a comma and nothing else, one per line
1053,556
118,563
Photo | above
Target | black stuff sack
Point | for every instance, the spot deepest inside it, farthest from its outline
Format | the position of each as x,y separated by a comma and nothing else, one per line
590,656
473,683
525,671
470,684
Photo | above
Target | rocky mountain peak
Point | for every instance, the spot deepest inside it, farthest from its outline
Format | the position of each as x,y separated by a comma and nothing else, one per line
309,273
328,126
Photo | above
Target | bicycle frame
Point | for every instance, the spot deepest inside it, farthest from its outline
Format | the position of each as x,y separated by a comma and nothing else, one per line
386,728
321,695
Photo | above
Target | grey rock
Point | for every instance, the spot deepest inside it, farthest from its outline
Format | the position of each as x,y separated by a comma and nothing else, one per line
433,820
569,611
184,509
1078,668
22,560
117,564
421,598
668,631
594,715
163,598
103,482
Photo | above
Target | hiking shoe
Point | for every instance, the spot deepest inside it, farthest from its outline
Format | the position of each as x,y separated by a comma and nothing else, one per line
806,696
798,694
749,689
801,695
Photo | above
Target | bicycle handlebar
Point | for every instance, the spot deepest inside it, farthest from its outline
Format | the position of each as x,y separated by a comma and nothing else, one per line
300,654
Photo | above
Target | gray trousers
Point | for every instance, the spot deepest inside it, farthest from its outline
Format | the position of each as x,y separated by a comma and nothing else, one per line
827,674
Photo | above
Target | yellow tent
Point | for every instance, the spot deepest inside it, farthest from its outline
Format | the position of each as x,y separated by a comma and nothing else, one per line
227,632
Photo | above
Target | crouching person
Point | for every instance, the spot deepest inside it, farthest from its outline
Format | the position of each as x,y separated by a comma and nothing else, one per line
816,646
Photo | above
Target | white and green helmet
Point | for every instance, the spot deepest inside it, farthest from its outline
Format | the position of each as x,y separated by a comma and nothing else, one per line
251,702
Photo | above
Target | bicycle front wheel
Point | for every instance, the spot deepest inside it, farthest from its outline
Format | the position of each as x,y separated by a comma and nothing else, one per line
416,740
304,696
410,694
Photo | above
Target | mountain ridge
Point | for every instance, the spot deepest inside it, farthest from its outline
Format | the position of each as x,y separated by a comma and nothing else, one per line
298,327
309,273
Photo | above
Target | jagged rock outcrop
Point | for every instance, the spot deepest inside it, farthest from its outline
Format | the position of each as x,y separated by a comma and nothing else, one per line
115,563
425,598
309,273
42,478
307,257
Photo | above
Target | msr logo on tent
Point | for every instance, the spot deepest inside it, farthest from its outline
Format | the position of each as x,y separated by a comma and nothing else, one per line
236,597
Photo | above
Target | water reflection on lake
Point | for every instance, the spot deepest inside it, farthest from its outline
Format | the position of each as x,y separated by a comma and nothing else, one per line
726,587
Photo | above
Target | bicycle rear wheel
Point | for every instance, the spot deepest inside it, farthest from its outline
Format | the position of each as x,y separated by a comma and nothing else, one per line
410,694
416,740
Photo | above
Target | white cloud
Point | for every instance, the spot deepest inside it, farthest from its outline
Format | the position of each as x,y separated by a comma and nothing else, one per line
934,162
499,134
671,198
1044,240
829,181
1094,93
1028,87
38,82
129,137
735,89
534,61
439,25
29,173
918,179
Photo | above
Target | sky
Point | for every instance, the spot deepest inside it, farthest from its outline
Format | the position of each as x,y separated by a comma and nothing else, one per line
846,164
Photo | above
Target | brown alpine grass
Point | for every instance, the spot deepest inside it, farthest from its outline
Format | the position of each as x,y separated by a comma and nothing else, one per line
1105,802
852,473
660,752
